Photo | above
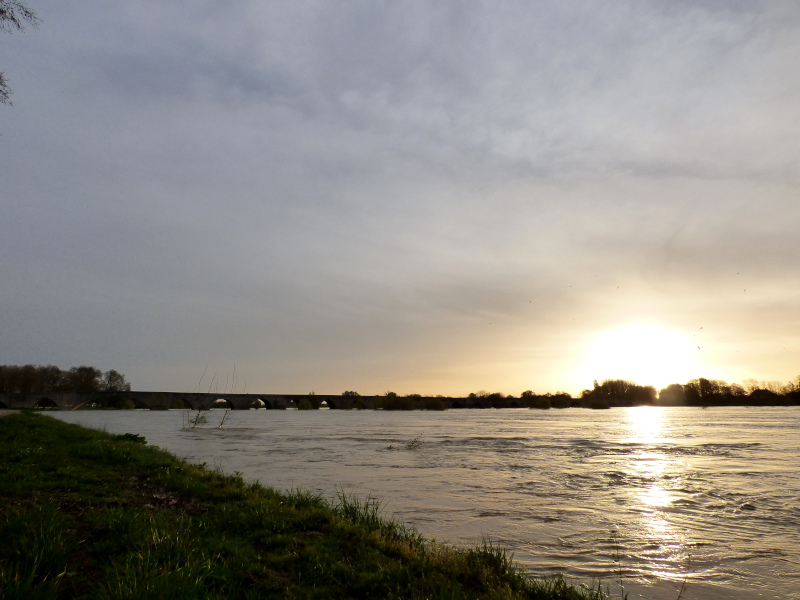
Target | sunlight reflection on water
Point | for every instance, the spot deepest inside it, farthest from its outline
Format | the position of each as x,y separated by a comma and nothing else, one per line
665,495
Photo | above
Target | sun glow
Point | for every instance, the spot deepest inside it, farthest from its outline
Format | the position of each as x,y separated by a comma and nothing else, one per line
645,424
645,354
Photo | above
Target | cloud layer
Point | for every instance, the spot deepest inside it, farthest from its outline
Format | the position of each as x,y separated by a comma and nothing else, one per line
401,195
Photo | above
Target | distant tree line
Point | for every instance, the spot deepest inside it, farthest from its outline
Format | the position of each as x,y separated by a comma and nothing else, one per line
27,379
696,392
527,399
617,392
713,392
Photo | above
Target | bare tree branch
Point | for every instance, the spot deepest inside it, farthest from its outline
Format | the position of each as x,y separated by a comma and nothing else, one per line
13,17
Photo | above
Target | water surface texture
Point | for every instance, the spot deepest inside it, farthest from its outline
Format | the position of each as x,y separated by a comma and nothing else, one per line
656,498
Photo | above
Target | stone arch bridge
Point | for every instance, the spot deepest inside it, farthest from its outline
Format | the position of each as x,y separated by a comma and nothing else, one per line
205,401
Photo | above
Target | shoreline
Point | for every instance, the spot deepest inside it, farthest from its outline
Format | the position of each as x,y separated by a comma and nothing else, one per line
113,517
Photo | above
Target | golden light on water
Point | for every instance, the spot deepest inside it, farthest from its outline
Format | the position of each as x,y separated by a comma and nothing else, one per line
648,465
646,428
656,496
643,353
646,424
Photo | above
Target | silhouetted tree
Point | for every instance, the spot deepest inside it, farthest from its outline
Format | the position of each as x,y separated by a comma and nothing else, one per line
115,382
751,385
736,390
793,390
702,391
673,395
709,392
84,379
541,402
764,397
27,379
619,392
51,378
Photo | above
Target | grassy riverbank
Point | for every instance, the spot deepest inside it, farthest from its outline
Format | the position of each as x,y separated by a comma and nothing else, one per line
86,514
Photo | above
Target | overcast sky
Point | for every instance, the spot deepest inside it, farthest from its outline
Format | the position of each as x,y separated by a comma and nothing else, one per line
413,196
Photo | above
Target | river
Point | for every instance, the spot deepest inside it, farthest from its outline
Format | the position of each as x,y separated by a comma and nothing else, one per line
654,498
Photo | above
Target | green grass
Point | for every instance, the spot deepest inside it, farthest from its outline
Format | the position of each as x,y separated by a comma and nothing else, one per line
85,514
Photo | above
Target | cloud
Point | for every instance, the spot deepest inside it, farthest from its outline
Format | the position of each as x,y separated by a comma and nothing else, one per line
310,184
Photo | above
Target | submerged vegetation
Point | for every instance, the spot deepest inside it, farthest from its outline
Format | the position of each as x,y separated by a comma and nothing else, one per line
97,516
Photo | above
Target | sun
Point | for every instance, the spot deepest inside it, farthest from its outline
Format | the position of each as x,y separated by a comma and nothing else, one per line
643,353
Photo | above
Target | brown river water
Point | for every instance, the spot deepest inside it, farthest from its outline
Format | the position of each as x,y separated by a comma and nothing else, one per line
654,498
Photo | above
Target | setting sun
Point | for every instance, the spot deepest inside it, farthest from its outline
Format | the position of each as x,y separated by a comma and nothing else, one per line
642,353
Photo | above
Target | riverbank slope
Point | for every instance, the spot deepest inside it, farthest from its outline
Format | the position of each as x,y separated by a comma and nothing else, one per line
87,514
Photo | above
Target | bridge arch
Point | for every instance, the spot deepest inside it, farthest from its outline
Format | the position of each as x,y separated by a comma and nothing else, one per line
260,403
221,403
47,404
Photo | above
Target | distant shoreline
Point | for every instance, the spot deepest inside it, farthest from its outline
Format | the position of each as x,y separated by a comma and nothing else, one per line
205,401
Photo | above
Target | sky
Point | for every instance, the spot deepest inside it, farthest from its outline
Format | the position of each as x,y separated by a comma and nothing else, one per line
422,197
